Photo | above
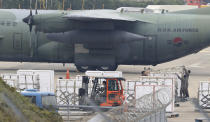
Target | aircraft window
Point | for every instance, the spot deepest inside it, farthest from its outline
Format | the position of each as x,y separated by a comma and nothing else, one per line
8,23
17,41
2,23
14,23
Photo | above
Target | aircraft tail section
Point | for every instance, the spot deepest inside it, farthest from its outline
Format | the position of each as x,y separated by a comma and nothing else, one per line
198,11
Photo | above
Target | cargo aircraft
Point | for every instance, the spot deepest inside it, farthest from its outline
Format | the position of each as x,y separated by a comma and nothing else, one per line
101,39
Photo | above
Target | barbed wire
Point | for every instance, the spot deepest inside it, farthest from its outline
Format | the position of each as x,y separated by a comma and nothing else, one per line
138,109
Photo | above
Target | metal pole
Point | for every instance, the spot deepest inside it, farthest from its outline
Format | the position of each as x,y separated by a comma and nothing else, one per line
102,6
36,6
0,3
83,3
51,4
70,6
63,4
43,4
30,5
46,4
40,4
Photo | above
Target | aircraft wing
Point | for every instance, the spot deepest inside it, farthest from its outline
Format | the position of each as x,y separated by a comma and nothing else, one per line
93,18
87,20
100,15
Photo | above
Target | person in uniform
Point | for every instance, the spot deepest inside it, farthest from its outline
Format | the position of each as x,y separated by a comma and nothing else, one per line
103,91
182,91
187,74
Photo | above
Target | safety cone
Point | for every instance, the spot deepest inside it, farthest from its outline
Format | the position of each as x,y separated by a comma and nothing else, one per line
67,74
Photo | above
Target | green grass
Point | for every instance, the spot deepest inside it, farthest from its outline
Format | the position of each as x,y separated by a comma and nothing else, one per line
31,112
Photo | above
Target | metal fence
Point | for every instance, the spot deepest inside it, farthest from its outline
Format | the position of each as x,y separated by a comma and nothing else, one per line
21,82
149,108
148,84
204,94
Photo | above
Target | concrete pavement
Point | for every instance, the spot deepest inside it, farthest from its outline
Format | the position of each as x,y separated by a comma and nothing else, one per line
199,64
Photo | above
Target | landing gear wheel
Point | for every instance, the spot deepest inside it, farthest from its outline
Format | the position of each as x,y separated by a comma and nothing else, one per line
85,68
107,68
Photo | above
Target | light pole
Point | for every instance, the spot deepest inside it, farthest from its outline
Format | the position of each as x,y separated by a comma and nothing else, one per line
63,4
0,3
46,4
51,3
83,4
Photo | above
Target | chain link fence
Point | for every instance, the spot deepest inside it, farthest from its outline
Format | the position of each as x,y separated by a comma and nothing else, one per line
21,81
149,108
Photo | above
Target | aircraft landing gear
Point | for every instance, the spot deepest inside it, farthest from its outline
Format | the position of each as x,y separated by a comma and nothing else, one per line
107,68
85,68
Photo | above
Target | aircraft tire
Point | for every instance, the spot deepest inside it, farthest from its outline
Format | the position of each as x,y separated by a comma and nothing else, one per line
85,68
107,68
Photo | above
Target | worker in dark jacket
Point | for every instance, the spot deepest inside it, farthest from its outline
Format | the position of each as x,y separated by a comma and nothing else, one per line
182,90
103,91
187,74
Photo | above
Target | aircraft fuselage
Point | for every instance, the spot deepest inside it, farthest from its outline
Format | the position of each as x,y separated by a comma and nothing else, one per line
167,37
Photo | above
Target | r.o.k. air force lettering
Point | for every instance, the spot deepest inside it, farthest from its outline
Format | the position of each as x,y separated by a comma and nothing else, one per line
178,30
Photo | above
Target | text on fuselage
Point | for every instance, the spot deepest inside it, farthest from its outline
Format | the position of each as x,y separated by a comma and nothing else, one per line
177,30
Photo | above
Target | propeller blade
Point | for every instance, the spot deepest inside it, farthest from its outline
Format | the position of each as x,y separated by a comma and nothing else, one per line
30,27
29,20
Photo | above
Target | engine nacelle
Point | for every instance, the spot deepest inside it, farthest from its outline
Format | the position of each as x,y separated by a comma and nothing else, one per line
95,37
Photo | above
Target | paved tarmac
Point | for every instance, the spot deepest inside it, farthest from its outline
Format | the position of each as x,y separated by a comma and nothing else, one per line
198,63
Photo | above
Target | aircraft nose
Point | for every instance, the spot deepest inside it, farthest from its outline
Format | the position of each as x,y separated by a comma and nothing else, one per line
26,20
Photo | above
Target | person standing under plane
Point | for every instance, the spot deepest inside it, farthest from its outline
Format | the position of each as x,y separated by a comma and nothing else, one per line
182,91
184,83
103,91
187,74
